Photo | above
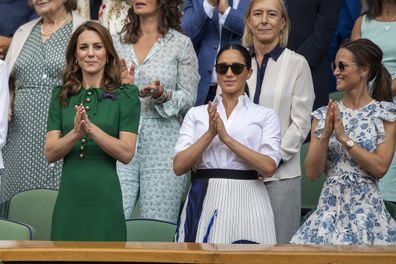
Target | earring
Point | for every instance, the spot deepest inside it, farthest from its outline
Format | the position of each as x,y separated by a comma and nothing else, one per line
107,60
362,76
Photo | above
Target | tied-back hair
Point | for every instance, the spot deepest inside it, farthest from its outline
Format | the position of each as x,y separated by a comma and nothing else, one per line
247,38
245,54
72,76
70,5
170,16
366,53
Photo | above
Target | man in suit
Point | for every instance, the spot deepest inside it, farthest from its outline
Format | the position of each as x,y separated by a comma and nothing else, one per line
212,24
313,23
349,12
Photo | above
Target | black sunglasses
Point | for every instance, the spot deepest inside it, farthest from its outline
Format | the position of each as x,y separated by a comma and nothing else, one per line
341,66
236,68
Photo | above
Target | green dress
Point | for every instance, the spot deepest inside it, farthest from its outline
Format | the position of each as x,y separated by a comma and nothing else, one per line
89,204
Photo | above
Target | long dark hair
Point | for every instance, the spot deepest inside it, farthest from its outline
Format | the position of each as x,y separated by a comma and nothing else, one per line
245,54
170,16
375,8
366,53
72,76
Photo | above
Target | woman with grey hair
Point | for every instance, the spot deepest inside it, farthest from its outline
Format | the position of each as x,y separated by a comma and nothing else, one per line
282,81
36,59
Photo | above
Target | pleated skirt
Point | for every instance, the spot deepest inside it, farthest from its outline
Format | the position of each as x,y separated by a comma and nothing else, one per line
227,211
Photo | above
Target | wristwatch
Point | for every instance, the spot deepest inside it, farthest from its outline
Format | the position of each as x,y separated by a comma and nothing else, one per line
349,143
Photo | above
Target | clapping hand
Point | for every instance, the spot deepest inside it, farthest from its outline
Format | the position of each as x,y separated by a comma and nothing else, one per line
213,116
338,124
329,122
78,121
127,75
222,6
153,89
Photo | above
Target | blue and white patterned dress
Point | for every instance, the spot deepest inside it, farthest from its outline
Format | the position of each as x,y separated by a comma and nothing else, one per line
350,209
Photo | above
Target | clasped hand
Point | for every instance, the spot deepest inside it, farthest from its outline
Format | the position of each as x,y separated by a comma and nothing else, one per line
333,122
222,5
216,124
153,89
82,124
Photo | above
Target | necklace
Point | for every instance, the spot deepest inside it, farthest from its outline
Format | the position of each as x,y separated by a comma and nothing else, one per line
56,28
388,17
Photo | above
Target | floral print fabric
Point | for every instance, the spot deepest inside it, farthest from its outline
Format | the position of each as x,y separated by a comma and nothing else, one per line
350,209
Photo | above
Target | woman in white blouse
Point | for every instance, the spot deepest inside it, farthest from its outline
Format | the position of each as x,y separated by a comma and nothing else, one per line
232,144
282,81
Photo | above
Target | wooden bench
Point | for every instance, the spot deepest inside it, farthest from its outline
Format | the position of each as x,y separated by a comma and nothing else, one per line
159,252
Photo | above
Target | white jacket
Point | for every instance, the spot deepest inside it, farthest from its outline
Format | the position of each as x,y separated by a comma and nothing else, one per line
287,89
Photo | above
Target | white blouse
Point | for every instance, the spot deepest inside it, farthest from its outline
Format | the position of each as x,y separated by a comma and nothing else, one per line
254,126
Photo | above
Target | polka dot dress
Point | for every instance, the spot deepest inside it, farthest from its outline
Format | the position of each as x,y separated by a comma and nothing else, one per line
37,70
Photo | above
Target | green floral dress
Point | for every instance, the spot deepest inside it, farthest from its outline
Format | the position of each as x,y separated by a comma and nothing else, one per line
89,203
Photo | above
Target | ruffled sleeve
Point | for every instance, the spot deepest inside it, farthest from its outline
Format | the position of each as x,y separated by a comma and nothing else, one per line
385,112
129,108
54,121
320,114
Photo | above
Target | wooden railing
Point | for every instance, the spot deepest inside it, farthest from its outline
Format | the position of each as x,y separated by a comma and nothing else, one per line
192,253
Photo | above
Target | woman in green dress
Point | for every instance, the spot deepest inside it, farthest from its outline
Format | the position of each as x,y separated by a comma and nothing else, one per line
92,122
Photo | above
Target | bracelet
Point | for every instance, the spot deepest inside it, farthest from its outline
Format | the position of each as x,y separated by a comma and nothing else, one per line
164,97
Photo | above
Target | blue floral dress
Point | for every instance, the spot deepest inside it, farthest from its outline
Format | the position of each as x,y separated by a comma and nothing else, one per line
350,208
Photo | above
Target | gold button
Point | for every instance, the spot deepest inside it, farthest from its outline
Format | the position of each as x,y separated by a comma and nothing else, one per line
81,156
83,140
88,100
82,147
89,93
87,108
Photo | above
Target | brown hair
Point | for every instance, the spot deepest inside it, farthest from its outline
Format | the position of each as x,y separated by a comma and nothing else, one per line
368,54
70,5
170,15
72,77
247,39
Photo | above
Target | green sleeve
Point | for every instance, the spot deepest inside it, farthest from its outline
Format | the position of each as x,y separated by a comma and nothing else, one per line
54,121
129,108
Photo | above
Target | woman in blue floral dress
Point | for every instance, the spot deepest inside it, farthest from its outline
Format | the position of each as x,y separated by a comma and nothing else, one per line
353,141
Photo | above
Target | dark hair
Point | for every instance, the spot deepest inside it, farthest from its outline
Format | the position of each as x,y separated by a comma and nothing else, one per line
170,16
70,5
366,53
72,77
244,52
374,8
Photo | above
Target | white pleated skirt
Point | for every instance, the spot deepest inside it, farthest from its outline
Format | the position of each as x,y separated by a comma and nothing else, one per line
231,211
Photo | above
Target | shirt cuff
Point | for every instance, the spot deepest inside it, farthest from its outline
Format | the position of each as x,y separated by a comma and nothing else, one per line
223,17
208,8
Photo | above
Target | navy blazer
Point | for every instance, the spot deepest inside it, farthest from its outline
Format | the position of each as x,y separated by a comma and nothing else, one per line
313,23
204,33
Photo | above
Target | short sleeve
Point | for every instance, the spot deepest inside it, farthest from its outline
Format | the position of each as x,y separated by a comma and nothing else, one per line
320,114
386,112
54,121
129,108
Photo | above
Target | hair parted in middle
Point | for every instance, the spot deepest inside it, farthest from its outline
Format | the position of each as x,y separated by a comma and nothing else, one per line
170,16
247,39
72,76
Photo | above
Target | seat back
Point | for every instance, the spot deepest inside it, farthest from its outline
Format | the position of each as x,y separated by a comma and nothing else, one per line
12,230
35,208
149,230
310,190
